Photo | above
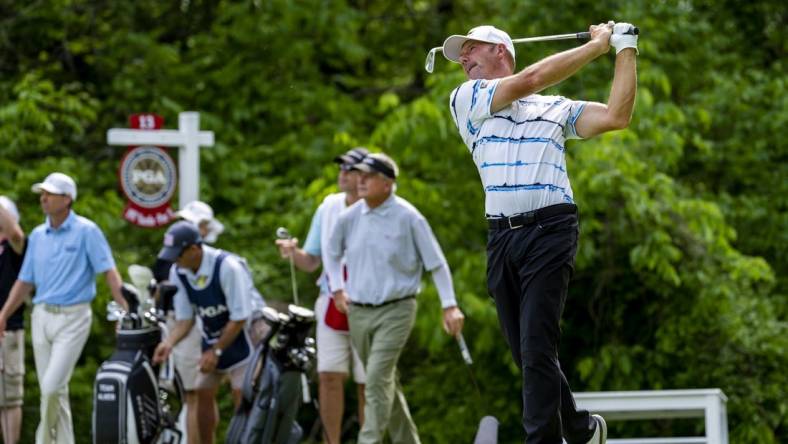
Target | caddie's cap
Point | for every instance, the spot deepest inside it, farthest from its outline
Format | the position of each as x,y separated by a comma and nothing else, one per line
57,183
178,237
9,206
352,157
486,33
198,212
378,163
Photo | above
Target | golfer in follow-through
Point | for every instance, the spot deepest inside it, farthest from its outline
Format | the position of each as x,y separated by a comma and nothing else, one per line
517,140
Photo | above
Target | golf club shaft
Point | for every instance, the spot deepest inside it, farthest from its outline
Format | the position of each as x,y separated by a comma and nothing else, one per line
545,38
293,280
305,395
282,233
466,354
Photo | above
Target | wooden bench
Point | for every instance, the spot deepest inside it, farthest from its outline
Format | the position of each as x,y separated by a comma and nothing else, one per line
658,404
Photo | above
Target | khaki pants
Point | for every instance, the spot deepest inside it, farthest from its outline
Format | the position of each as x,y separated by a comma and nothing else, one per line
12,368
379,334
59,335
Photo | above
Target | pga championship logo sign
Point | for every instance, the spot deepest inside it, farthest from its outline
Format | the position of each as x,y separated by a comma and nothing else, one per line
148,177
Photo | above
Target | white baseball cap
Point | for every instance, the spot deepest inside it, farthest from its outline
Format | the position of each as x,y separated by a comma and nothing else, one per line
57,183
197,212
9,206
485,33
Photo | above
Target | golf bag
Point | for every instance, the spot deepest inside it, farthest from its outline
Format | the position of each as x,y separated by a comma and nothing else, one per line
135,402
272,389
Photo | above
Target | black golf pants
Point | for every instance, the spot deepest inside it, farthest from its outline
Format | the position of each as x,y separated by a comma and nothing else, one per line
528,272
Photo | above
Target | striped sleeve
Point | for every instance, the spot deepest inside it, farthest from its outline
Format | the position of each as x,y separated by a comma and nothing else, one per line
575,109
470,104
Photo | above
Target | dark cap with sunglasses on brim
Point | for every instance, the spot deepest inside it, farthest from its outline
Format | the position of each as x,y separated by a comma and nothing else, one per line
179,236
378,163
352,157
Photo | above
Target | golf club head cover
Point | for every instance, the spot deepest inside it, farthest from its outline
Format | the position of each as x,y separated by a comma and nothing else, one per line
624,37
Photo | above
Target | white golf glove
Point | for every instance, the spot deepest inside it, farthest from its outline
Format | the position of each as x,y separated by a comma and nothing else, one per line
624,36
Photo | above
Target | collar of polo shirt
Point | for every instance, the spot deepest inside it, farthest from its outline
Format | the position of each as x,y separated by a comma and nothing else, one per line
64,226
382,208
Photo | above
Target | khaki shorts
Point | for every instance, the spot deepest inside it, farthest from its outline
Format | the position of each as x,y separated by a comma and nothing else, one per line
186,355
256,331
12,368
334,350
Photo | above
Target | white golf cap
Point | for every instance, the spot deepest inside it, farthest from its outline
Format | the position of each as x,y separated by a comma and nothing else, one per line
197,212
485,33
57,183
9,206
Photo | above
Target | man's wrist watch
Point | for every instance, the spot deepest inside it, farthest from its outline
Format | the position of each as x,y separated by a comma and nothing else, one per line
217,351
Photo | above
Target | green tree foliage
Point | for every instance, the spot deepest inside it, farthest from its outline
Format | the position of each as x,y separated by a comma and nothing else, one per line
681,274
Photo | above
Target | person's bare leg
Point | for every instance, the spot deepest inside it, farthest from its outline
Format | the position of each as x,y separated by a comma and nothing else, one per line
192,418
11,419
208,413
332,404
360,393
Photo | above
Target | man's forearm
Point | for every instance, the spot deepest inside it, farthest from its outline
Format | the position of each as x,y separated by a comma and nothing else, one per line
305,261
229,333
12,230
115,283
16,297
544,73
622,94
441,276
333,268
181,329
559,67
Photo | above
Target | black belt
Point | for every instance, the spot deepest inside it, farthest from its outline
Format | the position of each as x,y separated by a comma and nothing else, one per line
531,217
362,304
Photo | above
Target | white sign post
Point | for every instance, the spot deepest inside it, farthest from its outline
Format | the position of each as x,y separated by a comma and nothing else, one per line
188,138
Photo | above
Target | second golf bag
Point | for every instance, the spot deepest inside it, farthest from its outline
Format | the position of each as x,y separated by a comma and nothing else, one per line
273,384
135,402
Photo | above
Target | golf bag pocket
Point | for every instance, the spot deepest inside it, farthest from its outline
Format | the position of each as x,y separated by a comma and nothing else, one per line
125,401
261,384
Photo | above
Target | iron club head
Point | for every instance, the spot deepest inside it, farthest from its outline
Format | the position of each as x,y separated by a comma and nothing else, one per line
429,64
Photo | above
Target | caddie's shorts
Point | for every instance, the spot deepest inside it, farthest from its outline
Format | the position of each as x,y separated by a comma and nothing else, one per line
257,329
186,354
12,368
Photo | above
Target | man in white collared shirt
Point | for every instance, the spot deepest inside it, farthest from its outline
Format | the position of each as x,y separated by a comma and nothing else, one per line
386,244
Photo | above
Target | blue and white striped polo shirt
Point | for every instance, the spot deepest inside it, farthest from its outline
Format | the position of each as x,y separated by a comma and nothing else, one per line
519,150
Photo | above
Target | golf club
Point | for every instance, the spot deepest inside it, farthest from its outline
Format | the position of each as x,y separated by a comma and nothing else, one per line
466,356
429,64
282,233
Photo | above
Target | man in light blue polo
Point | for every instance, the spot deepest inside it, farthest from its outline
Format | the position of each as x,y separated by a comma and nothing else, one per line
64,255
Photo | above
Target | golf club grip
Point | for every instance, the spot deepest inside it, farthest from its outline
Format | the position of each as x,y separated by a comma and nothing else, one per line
586,36
466,354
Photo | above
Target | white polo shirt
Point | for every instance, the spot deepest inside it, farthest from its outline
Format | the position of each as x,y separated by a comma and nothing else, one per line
519,150
386,249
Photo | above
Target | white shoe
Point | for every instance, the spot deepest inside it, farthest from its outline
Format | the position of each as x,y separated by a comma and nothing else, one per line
600,431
